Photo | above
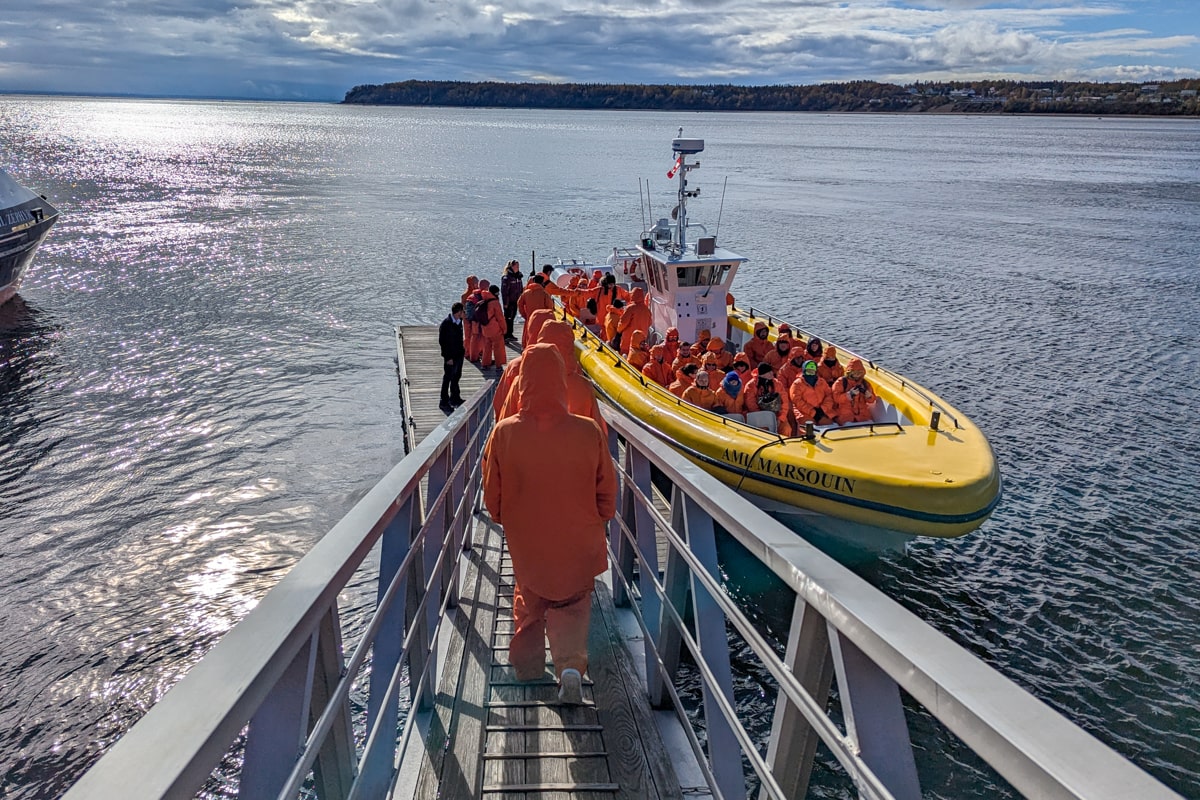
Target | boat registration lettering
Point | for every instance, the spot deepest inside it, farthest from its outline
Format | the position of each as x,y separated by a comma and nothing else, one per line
17,217
790,472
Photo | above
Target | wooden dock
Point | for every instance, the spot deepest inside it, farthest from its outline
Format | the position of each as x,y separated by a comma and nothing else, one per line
493,736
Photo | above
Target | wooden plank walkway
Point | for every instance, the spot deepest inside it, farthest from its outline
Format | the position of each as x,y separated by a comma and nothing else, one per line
495,737
419,363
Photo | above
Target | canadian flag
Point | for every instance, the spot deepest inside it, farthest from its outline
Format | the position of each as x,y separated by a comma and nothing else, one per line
675,168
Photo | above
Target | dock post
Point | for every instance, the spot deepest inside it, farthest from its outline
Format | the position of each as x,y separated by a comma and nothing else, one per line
724,752
793,743
875,717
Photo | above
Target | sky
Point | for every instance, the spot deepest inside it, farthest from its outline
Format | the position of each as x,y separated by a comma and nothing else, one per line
319,49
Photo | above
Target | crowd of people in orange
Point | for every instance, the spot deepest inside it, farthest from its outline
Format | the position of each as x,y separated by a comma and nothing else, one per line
548,422
799,381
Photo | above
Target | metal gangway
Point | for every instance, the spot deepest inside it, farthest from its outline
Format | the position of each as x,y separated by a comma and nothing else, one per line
278,709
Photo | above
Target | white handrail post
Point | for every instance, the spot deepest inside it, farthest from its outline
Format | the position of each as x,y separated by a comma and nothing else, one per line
333,771
875,717
793,743
388,644
621,546
460,504
724,752
426,584
277,729
670,638
647,544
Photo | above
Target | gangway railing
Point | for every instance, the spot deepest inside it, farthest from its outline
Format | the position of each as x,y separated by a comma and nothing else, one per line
279,686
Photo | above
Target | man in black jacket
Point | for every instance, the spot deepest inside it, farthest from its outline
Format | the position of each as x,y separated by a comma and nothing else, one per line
450,339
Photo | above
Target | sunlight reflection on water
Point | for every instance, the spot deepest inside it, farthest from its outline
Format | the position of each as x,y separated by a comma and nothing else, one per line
198,379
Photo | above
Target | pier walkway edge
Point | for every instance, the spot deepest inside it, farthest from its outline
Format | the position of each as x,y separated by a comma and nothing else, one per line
278,708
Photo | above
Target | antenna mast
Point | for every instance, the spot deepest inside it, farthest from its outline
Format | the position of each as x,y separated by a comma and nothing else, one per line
684,148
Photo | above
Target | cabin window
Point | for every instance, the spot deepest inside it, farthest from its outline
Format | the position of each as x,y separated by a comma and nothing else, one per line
703,275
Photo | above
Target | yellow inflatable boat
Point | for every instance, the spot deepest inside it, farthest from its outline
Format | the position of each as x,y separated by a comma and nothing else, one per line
919,467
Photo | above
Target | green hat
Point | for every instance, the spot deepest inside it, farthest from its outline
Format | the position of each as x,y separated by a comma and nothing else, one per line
810,368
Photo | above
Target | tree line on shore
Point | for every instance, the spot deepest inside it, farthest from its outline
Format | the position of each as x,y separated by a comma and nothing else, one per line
1173,98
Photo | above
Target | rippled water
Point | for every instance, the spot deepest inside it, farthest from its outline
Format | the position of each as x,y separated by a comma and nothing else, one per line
198,379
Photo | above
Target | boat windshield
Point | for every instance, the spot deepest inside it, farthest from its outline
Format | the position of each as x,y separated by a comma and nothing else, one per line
702,275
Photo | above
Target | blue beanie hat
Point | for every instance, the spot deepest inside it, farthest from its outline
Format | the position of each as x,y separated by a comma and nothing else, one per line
732,383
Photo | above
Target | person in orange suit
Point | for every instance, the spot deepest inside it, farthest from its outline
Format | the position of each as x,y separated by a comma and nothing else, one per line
671,343
793,368
687,355
757,348
556,538
683,379
724,358
635,317
612,319
699,394
470,330
658,369
853,397
605,295
765,393
830,369
581,394
639,349
812,399
508,378
533,298
729,399
494,327
814,350
473,335
779,355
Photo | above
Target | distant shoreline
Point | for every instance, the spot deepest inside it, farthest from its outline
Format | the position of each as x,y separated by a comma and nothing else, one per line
1170,99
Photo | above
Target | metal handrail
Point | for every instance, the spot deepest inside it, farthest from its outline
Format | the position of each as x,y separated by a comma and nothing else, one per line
175,747
839,745
1032,746
173,758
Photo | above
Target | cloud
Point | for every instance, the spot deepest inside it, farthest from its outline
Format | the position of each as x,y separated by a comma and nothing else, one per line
317,49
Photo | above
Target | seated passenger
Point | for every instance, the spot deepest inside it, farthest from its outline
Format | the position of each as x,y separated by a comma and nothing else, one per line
829,370
657,368
639,350
717,348
814,350
853,397
703,337
780,354
783,330
686,356
812,399
792,370
765,393
757,348
742,367
683,379
728,399
698,394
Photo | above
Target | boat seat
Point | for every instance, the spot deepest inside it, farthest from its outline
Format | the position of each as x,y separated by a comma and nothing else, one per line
765,420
